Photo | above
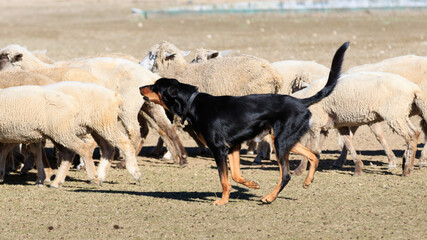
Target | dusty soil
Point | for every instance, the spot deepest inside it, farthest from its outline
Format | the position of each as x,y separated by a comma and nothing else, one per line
173,202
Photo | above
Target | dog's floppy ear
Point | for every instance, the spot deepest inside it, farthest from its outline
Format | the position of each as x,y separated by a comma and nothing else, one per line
172,91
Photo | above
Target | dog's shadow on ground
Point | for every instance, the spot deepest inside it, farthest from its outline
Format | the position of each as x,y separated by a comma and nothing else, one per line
237,192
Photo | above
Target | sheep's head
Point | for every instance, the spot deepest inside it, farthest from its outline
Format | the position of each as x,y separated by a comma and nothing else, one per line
203,55
301,81
161,55
11,57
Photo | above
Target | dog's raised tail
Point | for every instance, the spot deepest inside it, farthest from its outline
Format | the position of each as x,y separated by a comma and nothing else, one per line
334,74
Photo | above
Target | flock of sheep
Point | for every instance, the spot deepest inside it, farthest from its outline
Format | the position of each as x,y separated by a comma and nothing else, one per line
82,103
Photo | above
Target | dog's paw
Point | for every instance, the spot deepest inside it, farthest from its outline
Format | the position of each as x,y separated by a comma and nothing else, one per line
220,202
251,184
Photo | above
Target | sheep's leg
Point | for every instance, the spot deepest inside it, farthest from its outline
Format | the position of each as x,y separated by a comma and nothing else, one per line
159,121
422,162
107,154
64,167
36,149
28,160
312,143
301,167
379,134
5,149
114,137
143,131
78,146
158,148
10,162
92,145
347,135
342,143
251,146
263,149
47,169
234,159
409,132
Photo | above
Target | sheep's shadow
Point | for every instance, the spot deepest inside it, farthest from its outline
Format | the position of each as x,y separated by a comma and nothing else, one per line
237,192
20,179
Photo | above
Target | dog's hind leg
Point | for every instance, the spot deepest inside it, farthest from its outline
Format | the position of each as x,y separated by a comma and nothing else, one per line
298,148
234,159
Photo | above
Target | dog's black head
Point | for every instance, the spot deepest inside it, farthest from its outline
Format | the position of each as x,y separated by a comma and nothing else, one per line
169,93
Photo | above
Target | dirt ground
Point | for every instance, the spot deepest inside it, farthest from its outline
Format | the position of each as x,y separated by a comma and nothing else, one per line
173,202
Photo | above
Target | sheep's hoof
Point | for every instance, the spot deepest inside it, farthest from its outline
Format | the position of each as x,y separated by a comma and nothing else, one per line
94,181
298,172
422,164
391,166
357,174
40,185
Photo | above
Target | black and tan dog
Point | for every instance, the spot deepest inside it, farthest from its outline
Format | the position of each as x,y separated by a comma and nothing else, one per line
224,122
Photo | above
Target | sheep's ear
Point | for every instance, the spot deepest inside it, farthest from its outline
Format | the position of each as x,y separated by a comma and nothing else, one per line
185,53
17,58
304,85
170,56
213,55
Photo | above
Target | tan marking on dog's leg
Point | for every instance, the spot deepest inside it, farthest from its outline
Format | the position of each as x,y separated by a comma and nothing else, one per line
298,148
234,159
226,188
273,195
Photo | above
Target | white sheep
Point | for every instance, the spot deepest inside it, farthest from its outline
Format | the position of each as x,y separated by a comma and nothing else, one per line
31,113
101,109
118,74
411,67
362,99
96,111
239,75
298,74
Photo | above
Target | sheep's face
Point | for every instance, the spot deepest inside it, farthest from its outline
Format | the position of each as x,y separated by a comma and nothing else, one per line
161,54
9,61
149,60
204,55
